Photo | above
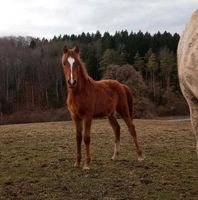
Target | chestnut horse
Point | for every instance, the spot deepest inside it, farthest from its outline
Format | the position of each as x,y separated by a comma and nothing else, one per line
88,98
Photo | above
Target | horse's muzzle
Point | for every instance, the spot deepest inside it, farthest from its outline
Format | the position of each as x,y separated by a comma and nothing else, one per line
72,83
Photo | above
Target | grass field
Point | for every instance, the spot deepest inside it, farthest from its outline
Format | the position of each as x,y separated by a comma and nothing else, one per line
36,162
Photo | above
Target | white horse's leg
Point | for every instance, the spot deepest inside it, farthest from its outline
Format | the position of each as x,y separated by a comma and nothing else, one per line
194,121
116,150
116,130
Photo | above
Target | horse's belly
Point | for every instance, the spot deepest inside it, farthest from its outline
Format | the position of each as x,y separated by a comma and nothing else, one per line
104,109
103,113
100,114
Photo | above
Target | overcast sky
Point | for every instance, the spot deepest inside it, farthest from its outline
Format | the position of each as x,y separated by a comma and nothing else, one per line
46,18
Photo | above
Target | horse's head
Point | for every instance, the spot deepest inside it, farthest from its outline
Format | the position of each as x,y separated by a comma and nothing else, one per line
70,62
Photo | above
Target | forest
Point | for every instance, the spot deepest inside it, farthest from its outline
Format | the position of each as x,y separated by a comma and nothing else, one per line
32,83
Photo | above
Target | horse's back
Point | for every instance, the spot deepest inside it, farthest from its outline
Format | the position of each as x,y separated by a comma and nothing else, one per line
112,86
188,58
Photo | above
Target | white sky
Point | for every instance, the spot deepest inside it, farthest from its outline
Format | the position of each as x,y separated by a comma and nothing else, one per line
46,18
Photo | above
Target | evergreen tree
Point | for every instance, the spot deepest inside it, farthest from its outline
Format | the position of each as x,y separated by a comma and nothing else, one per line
111,56
32,44
91,63
167,64
122,59
138,62
146,58
152,66
97,36
107,42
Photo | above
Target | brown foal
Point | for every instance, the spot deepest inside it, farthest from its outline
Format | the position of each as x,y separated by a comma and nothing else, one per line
88,98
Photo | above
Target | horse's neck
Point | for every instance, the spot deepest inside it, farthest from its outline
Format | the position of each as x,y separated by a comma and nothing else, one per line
83,85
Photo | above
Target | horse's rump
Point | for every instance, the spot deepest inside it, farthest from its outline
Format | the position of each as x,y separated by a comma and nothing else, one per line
129,100
113,96
108,94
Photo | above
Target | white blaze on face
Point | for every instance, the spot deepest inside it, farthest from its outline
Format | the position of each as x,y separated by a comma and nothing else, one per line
71,62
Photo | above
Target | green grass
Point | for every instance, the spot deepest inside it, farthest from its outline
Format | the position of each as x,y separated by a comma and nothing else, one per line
36,162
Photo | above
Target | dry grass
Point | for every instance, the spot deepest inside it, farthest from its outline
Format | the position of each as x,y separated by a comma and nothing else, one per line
37,163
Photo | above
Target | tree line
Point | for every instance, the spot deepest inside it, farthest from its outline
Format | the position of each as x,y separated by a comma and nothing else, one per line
31,75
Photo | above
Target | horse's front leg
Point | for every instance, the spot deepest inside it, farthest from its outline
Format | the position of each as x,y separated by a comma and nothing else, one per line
87,128
78,124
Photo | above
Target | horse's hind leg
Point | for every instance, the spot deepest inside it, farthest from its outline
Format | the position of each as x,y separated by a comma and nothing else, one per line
194,121
126,117
133,133
116,130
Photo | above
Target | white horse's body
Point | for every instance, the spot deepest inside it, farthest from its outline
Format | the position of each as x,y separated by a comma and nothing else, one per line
188,68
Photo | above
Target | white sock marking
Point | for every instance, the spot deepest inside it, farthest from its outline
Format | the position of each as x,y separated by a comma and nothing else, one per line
116,150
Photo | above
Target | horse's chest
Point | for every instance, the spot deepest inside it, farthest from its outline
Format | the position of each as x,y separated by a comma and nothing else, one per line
77,108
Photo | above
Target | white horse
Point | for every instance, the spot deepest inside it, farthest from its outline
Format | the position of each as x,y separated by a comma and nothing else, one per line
187,53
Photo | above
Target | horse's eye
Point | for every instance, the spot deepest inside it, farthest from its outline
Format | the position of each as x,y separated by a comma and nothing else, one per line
64,63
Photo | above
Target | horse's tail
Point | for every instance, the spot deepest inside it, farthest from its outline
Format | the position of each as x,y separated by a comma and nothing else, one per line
129,100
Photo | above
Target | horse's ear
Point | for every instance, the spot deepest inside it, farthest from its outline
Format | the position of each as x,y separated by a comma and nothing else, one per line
76,49
65,49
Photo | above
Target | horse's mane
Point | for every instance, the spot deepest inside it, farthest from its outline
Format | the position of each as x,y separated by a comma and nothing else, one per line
83,70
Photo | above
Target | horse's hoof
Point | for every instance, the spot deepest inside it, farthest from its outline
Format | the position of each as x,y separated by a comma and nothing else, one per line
77,165
112,158
140,159
86,168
